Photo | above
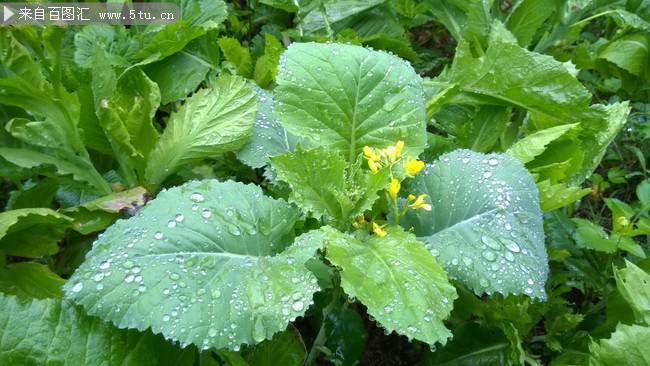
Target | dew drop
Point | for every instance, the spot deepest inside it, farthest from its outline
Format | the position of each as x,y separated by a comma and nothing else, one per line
298,306
489,255
511,245
197,197
491,243
77,287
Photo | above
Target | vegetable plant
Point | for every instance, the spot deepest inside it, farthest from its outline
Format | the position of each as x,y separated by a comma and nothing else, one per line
303,183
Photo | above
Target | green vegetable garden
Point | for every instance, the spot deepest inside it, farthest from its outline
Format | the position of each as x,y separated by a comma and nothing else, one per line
329,182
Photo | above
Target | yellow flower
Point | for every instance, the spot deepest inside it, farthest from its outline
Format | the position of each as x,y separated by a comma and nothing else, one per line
413,167
419,202
378,230
370,153
394,187
373,165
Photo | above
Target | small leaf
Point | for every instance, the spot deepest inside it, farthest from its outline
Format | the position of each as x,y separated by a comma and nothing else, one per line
48,332
31,232
208,263
472,345
30,280
554,196
634,285
485,227
526,18
177,75
534,144
237,55
96,215
285,348
266,67
344,97
629,52
212,121
399,282
628,345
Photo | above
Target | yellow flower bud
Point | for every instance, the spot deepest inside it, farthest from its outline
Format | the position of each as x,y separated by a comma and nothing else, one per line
373,165
359,222
378,230
394,187
399,147
413,167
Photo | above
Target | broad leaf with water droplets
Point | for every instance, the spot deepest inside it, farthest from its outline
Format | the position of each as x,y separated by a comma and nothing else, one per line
49,332
269,138
211,122
485,227
344,97
402,285
210,263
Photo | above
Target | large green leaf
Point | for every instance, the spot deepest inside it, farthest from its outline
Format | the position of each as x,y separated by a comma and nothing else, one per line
207,263
508,74
485,227
211,122
399,282
482,131
627,346
632,282
31,232
47,332
344,97
269,138
125,108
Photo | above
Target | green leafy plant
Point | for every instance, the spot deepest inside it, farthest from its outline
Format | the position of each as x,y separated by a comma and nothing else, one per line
315,182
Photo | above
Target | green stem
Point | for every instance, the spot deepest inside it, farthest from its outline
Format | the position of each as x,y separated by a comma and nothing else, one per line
321,337
396,213
328,28
588,19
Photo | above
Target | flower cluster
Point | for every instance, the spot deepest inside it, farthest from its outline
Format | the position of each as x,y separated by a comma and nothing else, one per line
390,157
